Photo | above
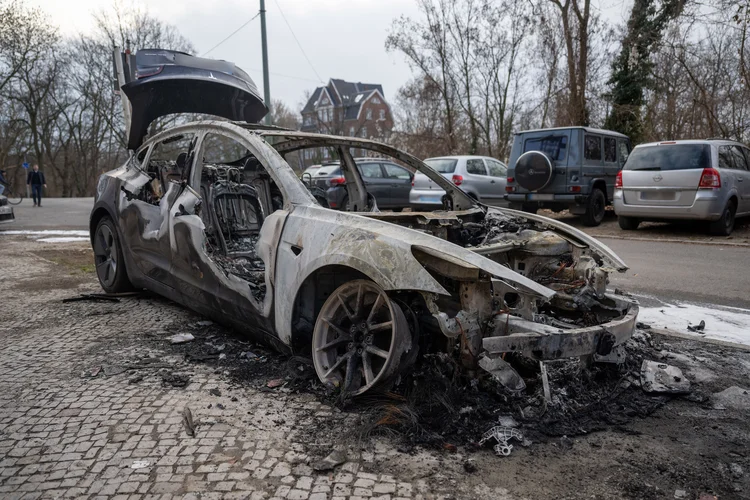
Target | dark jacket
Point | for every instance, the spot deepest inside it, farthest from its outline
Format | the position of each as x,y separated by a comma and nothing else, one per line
35,178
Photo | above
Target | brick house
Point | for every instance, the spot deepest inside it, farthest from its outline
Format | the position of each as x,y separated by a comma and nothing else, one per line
346,108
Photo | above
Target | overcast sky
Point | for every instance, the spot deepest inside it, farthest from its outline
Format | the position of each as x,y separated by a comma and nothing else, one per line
342,38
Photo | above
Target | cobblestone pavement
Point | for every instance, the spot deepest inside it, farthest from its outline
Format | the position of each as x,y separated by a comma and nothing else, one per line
92,397
67,435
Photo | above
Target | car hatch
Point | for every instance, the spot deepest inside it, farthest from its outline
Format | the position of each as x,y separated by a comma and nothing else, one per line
665,173
444,166
157,82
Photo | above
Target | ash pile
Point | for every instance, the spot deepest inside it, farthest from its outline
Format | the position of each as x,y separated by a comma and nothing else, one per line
440,405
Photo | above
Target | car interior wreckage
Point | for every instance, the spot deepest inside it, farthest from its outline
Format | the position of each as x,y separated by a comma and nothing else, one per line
211,215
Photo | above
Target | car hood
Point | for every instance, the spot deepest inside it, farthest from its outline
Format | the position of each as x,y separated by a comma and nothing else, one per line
160,82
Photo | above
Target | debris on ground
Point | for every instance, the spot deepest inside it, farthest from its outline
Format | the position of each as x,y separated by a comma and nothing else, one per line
140,464
733,397
187,421
643,326
663,378
470,466
181,338
680,494
336,457
277,382
205,323
214,392
104,297
136,379
92,372
697,328
502,372
175,380
501,435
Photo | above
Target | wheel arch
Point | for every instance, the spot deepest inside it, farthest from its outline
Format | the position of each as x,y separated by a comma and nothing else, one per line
600,184
310,296
96,216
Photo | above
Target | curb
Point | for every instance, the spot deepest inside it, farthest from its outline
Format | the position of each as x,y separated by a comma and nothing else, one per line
685,336
672,240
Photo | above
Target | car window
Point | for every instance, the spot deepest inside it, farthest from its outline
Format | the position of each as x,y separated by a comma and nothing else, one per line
442,165
554,146
372,171
592,147
221,149
610,149
725,157
669,157
623,151
396,172
496,169
746,152
475,166
739,158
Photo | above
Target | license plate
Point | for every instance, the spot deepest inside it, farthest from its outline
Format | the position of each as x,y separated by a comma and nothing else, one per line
658,195
541,197
430,199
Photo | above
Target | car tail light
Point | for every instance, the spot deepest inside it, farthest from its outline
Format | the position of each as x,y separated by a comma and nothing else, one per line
574,189
510,189
337,181
144,72
511,180
710,179
618,180
457,179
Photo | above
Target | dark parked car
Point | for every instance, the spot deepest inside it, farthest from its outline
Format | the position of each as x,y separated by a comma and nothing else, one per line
389,183
210,215
570,167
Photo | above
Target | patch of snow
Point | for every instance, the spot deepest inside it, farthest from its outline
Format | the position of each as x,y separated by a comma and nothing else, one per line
47,232
63,239
722,322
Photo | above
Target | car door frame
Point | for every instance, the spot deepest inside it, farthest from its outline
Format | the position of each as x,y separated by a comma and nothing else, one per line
476,181
743,182
146,227
610,167
203,284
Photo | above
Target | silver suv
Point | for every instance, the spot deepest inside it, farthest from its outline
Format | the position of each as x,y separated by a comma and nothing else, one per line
699,180
480,177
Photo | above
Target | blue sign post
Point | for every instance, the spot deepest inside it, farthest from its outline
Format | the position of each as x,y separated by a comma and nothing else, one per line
25,165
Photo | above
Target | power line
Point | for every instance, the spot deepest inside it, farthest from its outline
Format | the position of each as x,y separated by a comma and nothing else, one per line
298,44
231,34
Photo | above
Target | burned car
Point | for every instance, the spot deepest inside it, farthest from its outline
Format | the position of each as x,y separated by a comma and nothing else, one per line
210,215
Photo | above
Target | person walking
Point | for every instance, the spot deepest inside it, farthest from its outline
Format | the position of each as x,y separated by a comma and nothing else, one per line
35,179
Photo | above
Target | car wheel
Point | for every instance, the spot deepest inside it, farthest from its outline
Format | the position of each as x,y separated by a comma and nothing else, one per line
595,205
628,223
359,338
345,204
108,258
725,225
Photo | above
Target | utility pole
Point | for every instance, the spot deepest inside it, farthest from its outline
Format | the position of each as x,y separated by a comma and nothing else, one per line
264,47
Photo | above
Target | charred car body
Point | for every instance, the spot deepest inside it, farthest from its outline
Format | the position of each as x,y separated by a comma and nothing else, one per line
210,215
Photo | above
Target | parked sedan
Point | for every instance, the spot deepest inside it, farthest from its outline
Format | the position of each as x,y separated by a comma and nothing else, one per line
387,182
480,177
707,180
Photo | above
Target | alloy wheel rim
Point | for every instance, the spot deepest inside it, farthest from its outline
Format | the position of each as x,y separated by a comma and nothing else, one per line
105,255
354,342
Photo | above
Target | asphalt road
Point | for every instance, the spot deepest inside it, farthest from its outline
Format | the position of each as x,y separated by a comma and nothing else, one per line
55,213
713,274
692,272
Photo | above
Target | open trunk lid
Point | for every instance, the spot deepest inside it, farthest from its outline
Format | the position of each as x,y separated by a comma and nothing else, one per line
157,82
